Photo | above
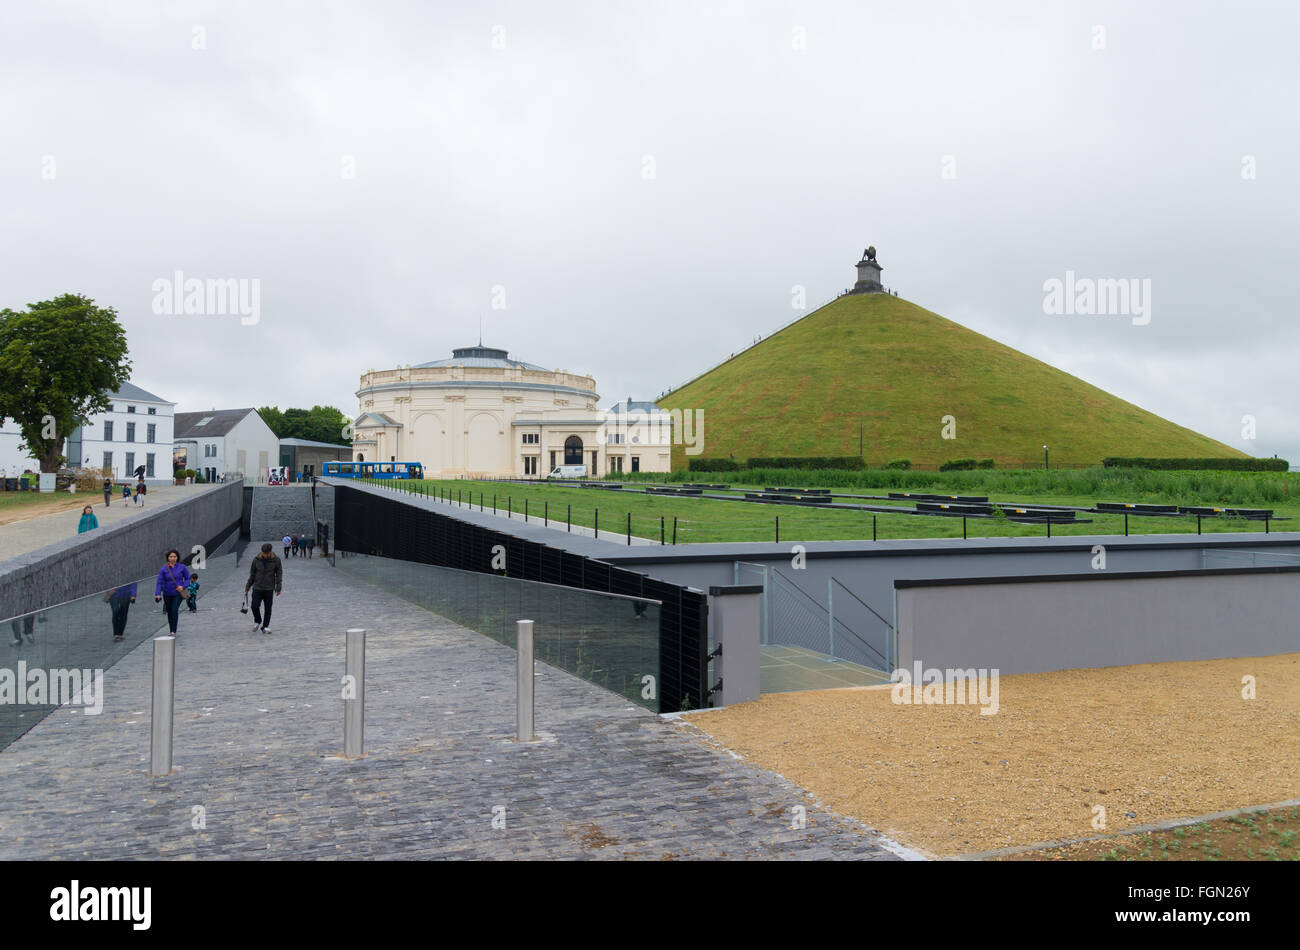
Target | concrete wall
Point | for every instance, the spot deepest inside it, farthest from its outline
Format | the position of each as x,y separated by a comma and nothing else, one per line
324,505
869,569
1096,620
98,560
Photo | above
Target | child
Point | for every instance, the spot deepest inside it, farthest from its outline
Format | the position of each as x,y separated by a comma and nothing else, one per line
126,492
193,588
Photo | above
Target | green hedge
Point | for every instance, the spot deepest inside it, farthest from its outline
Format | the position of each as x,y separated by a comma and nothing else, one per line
965,465
1195,465
848,462
713,465
900,464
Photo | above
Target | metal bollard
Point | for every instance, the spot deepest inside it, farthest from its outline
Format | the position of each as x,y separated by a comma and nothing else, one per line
354,709
524,713
164,694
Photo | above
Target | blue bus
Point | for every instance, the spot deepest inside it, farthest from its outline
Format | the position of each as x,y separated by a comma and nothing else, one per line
379,470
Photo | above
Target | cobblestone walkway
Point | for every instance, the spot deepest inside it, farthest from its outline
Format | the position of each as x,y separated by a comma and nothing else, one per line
259,725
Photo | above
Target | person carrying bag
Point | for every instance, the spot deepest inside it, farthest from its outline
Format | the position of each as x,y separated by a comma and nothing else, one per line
173,578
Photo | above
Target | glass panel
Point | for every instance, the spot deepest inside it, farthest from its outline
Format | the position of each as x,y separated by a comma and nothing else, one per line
52,654
606,639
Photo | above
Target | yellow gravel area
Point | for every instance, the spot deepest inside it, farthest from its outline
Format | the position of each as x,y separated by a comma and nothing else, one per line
1146,743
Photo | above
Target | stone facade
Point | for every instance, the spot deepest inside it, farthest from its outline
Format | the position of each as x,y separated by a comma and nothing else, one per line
481,414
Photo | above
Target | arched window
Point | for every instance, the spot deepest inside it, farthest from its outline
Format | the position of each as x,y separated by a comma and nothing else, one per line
573,450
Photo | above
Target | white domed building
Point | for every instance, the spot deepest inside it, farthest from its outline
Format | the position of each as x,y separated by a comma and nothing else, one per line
481,414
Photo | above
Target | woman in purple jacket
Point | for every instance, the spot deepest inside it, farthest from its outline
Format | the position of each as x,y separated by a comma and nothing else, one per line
172,579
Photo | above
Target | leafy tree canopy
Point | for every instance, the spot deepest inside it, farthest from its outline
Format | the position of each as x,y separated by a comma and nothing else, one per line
318,424
59,362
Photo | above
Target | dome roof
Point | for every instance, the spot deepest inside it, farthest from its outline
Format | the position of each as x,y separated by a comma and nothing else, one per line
481,356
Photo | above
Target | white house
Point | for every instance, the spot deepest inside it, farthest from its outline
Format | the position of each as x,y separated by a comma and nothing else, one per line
225,442
135,430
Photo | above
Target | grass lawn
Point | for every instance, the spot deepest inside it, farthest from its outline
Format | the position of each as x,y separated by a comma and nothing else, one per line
702,520
20,505
1258,836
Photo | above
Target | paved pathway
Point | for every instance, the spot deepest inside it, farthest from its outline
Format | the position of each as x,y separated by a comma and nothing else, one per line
259,728
30,534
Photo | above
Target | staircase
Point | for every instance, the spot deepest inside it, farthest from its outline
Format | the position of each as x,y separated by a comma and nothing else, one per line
279,510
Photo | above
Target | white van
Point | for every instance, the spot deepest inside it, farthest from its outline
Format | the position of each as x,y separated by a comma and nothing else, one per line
568,471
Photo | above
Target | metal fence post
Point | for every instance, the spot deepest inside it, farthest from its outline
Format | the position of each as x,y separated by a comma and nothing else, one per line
830,611
524,711
354,709
164,693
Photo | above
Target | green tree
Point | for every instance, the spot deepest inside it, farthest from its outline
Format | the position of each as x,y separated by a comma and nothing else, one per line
326,425
274,419
59,362
317,424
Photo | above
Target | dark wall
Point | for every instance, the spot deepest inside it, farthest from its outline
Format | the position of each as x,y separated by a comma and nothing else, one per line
105,557
391,524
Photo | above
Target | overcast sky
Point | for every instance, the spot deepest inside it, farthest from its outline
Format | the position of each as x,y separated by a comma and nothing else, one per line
647,181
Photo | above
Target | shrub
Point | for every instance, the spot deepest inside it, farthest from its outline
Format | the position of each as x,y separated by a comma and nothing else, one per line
901,464
958,465
713,465
984,463
849,462
1193,465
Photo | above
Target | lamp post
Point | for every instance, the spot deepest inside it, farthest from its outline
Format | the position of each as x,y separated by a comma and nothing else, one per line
1046,459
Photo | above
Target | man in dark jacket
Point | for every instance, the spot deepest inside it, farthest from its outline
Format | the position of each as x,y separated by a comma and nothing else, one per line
265,573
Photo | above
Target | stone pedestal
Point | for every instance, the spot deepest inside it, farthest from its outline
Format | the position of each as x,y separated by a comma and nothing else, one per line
868,278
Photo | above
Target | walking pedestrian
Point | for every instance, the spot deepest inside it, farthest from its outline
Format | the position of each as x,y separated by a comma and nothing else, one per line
265,574
108,490
310,542
193,600
295,545
88,520
140,489
26,629
120,600
173,578
126,492
286,541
